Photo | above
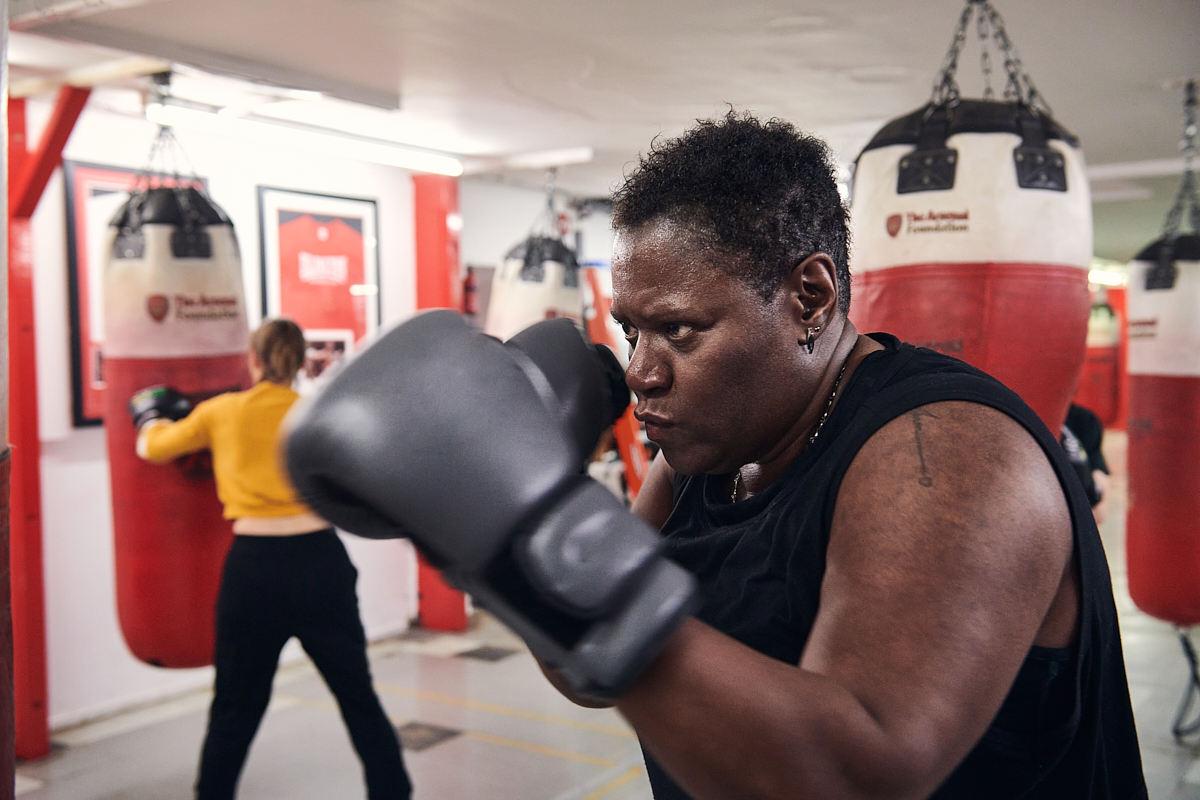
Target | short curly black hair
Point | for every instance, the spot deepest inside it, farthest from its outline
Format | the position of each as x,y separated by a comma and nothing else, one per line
765,190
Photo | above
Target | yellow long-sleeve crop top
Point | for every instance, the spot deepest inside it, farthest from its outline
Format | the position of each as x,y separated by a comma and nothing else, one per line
242,430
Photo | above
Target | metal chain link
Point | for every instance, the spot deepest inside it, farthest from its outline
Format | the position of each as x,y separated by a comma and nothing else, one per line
1019,87
1189,195
945,84
985,58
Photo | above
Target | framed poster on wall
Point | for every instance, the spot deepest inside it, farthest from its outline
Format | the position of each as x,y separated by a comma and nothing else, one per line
94,193
320,268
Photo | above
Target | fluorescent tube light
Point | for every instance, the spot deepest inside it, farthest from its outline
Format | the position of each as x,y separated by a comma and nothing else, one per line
544,159
1106,278
313,141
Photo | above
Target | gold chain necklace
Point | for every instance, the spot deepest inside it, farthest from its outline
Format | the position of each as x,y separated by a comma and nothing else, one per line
737,476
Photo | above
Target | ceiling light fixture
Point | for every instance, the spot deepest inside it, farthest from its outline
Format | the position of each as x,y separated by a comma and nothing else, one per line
545,159
314,141
1103,277
541,159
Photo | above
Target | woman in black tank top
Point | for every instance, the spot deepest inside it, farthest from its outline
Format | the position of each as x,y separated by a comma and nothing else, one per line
904,594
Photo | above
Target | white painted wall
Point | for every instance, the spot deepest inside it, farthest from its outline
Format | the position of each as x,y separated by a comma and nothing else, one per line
90,671
498,216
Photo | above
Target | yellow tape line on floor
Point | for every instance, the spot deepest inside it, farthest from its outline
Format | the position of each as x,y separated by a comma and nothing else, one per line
462,702
479,737
619,782
540,749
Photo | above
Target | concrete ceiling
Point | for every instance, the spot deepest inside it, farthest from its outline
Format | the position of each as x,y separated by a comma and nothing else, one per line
502,77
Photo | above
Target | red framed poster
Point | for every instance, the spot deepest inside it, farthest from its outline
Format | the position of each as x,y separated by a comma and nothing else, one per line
94,194
321,269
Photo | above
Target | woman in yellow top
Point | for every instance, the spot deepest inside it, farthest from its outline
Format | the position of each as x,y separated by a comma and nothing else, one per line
287,573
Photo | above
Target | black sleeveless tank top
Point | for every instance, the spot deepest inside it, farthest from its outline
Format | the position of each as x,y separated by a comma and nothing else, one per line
1065,730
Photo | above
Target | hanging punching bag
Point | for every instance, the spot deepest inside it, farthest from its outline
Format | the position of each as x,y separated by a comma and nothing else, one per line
972,230
1100,381
1161,541
174,314
538,280
1163,549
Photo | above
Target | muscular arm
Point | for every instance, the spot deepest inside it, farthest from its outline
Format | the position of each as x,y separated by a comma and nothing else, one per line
948,558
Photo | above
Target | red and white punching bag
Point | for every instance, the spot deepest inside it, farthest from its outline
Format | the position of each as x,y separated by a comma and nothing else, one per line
1100,381
174,314
538,280
972,233
1161,538
1161,542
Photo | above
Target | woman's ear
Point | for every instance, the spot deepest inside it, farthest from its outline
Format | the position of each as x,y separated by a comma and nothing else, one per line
256,366
812,291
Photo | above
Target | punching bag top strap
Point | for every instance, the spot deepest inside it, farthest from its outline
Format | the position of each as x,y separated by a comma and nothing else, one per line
1162,255
1173,246
186,209
967,116
536,250
931,166
1039,166
168,206
189,239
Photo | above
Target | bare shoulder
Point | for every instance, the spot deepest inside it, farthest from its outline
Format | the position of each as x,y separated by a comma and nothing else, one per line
956,455
956,482
949,544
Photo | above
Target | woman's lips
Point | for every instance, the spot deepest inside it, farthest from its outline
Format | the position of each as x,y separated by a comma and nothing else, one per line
655,426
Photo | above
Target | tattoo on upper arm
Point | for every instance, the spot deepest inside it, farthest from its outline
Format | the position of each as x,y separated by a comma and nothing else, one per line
916,415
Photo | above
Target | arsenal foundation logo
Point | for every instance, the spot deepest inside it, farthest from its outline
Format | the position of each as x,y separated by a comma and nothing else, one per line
893,224
158,305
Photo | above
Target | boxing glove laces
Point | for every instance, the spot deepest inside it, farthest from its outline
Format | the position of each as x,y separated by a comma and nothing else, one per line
477,450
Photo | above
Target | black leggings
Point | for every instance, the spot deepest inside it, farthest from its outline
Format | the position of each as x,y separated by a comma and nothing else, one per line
274,588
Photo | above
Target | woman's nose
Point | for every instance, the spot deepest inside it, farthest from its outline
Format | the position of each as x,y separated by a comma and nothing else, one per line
646,373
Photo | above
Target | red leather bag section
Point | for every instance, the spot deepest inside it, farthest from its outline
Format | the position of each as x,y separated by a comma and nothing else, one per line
1162,536
169,531
1025,324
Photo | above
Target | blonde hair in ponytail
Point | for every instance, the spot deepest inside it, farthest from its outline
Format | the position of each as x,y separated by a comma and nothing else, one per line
279,345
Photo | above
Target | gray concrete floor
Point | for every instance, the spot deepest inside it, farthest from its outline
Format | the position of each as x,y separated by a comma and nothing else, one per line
507,734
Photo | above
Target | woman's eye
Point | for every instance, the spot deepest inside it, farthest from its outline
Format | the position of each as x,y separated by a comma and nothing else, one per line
676,330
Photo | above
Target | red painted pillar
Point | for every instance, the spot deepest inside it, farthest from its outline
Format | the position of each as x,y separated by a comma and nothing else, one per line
1118,298
28,174
439,282
7,725
7,731
28,596
439,285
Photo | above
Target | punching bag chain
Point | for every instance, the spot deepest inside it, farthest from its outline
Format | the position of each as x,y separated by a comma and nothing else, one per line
1019,87
985,58
1189,195
945,83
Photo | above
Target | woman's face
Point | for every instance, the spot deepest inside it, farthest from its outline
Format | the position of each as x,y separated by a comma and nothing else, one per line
716,369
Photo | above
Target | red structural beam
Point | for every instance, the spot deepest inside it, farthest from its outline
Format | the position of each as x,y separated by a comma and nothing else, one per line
29,173
26,186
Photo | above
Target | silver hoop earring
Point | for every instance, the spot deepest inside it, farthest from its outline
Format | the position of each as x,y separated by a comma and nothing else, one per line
808,343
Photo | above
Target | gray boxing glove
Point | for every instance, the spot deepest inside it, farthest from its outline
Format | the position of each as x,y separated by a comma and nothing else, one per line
476,451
